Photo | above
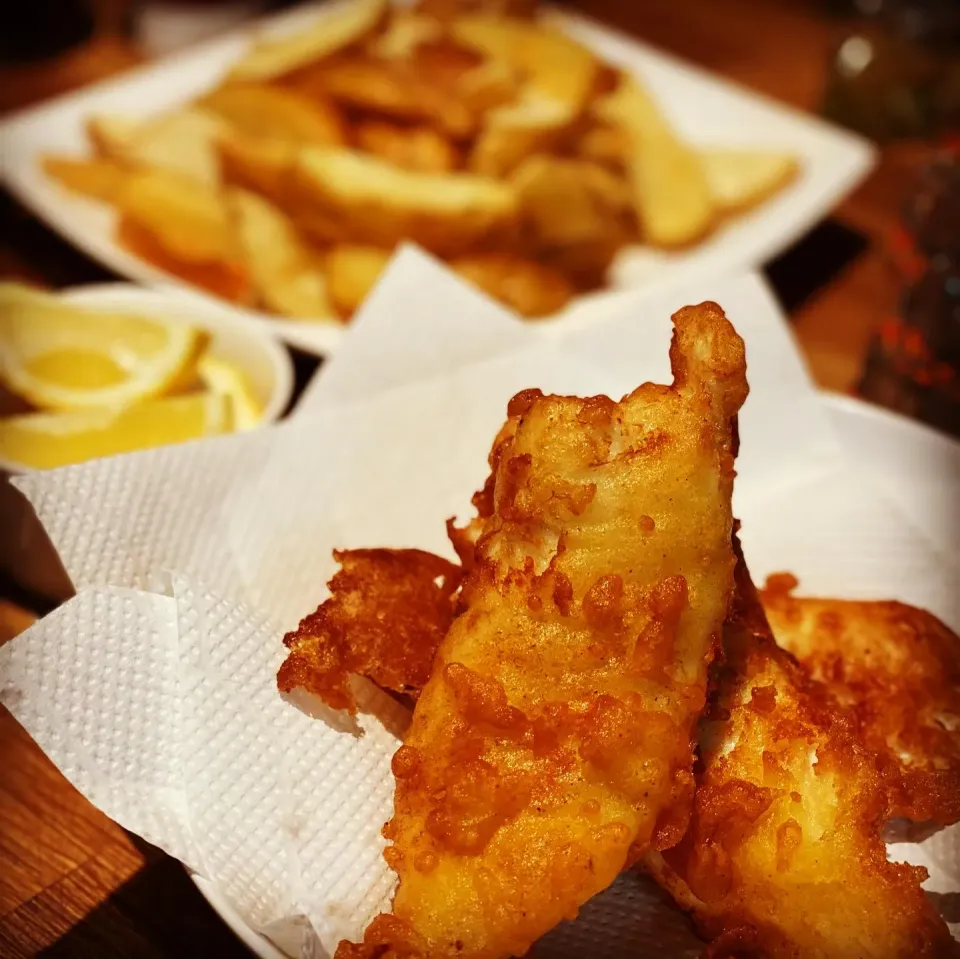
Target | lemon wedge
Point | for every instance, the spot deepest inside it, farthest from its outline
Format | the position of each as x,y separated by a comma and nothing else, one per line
48,440
61,357
220,376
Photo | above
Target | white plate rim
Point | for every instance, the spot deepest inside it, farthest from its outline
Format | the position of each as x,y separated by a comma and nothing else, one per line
846,407
851,158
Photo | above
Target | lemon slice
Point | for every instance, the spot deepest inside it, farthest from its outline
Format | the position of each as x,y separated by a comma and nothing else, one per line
62,357
221,376
48,440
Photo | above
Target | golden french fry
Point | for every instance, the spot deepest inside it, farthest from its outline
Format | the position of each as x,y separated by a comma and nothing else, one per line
347,25
488,85
740,179
228,279
286,274
406,30
187,220
556,67
375,202
352,272
113,136
525,286
263,166
276,113
513,132
98,178
674,203
603,144
448,9
183,142
413,148
390,88
567,201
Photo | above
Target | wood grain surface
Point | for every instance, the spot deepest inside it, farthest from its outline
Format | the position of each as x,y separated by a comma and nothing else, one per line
73,883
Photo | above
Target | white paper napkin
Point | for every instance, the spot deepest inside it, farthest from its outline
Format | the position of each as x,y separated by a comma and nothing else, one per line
154,689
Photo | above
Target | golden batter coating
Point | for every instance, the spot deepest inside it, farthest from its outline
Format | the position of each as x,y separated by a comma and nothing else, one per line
784,857
898,669
553,743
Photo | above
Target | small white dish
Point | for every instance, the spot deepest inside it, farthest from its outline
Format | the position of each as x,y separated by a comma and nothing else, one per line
25,550
707,109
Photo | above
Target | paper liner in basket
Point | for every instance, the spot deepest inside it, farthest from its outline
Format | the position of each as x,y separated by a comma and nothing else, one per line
154,689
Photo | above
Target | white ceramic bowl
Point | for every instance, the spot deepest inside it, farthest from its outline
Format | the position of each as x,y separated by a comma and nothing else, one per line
25,551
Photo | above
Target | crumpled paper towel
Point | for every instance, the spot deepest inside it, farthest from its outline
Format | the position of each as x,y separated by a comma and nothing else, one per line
153,690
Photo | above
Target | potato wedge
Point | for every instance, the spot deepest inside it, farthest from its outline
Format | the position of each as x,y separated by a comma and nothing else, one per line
263,166
187,219
448,9
674,202
113,136
390,88
182,142
556,67
275,113
740,179
378,203
352,272
567,201
488,85
406,30
98,178
286,274
525,286
413,148
514,132
348,24
228,280
603,144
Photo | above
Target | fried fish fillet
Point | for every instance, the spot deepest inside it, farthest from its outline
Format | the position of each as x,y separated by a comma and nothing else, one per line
387,612
784,857
898,669
553,742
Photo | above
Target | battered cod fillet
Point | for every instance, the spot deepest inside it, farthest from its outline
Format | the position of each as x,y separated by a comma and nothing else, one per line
552,744
898,669
784,857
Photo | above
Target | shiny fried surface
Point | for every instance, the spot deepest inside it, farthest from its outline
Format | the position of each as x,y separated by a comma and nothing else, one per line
898,669
526,286
387,612
784,856
553,742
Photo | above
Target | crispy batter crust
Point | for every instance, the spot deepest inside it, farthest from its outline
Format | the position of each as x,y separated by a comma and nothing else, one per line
387,612
898,669
784,855
553,742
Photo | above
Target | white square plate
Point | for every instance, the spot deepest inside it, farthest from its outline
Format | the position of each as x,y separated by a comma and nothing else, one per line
705,108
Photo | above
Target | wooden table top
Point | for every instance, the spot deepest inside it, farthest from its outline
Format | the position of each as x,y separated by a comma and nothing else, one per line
72,882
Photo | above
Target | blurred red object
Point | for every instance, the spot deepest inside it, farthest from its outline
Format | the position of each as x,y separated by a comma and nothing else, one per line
914,363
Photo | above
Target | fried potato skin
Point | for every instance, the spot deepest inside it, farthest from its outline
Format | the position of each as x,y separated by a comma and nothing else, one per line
898,669
376,203
525,286
273,112
413,148
228,280
784,857
387,88
553,742
387,613
352,272
99,178
674,203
